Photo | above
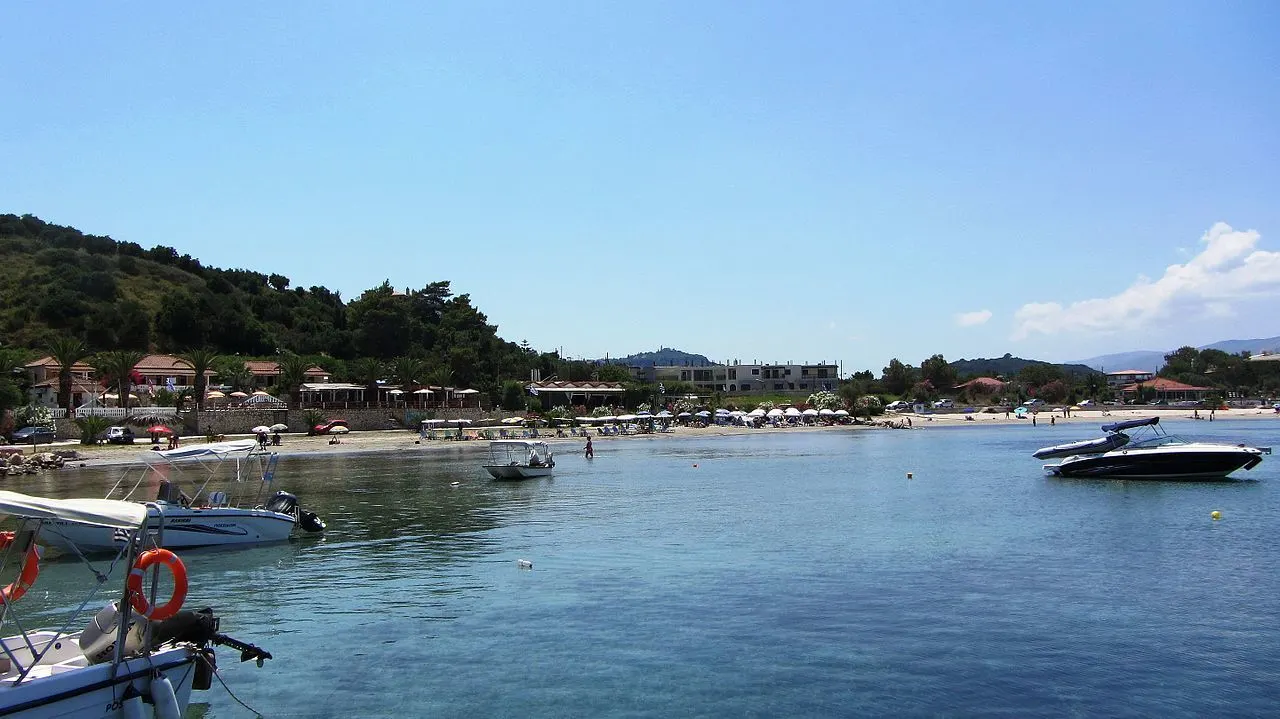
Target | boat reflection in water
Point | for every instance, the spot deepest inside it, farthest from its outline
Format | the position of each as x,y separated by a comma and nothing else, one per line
1148,453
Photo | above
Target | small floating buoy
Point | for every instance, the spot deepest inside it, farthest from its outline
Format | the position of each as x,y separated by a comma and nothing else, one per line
454,484
695,466
524,564
909,475
1215,515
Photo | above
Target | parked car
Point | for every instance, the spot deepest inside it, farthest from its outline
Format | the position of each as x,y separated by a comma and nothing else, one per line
1160,402
119,435
898,405
327,427
1087,403
33,435
1037,402
944,404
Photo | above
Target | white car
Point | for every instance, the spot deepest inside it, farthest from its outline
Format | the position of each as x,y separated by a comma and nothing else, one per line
898,405
944,404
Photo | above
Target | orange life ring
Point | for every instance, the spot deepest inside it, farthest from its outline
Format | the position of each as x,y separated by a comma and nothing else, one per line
26,577
139,600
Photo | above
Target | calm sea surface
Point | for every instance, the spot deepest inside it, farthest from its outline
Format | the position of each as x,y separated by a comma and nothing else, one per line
765,575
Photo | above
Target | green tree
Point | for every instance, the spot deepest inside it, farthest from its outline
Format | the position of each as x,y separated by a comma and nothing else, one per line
367,371
512,395
66,351
897,377
409,372
231,371
117,367
938,372
201,360
293,370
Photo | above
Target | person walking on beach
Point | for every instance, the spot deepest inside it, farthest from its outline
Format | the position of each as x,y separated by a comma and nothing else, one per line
590,453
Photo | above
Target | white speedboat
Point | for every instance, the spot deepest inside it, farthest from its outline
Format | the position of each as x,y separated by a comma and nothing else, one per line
144,660
227,507
1157,455
519,459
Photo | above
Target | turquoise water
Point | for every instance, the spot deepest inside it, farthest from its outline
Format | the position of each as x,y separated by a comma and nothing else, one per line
792,575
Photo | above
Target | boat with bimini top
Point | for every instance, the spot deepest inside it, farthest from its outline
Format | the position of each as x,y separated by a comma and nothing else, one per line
227,506
1148,453
519,459
131,653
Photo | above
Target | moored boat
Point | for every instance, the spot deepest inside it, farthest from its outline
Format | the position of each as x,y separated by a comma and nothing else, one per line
229,505
131,653
1157,455
519,459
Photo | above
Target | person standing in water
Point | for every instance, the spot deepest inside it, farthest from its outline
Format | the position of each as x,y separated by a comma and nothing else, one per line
589,452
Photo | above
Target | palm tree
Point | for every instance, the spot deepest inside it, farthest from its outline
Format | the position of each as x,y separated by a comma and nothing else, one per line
201,361
66,351
367,370
407,371
231,371
117,366
293,370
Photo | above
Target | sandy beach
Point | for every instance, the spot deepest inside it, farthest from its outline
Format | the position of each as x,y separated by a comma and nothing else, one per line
401,440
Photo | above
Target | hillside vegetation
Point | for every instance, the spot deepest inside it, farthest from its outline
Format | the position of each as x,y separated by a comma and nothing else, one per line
59,281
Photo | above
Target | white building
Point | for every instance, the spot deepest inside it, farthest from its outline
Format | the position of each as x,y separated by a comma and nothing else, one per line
748,378
1126,377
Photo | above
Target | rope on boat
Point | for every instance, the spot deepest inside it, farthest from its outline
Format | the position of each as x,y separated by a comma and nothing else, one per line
223,682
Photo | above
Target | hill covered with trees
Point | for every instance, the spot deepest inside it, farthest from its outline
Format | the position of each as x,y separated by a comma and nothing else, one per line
62,283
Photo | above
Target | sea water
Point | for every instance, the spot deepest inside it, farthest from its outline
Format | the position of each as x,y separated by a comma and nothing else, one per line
798,574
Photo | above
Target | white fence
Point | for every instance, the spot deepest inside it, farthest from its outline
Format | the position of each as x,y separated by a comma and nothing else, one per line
116,412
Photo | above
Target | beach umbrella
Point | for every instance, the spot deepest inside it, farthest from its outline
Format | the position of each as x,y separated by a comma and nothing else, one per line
260,429
513,420
811,412
757,412
339,430
824,412
424,390
238,395
842,413
158,429
214,395
663,413
775,412
704,413
395,391
260,393
279,428
684,414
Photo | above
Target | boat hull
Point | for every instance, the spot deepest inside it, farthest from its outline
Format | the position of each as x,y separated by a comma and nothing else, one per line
1186,462
71,689
516,471
184,528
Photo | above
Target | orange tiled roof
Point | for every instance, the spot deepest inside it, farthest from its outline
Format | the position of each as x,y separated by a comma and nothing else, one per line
1163,384
50,362
267,367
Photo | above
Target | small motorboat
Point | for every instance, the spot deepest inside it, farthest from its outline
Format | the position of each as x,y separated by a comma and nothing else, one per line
519,459
136,656
1157,455
227,508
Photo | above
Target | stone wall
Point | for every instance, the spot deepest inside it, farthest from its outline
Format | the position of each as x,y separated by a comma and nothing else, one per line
240,421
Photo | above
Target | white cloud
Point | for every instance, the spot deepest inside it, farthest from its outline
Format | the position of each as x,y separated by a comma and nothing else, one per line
969,319
1227,269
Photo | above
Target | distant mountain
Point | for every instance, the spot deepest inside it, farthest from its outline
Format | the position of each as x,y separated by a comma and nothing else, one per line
1152,361
664,357
1009,365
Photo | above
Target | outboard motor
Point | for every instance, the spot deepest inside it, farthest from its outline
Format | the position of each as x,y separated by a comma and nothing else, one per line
286,503
310,521
282,502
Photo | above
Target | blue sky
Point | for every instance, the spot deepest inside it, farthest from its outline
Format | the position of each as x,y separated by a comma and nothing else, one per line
748,180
